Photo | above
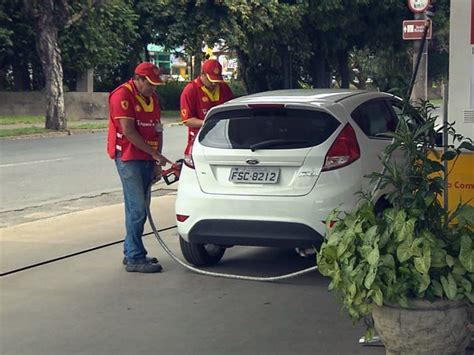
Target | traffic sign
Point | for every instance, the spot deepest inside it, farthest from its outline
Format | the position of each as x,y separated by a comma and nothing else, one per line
418,6
413,29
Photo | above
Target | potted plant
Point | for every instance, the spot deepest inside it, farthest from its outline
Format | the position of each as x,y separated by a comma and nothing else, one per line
411,265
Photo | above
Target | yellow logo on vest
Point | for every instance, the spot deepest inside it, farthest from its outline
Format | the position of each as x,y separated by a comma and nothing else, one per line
146,107
153,144
205,99
124,104
213,95
184,113
138,108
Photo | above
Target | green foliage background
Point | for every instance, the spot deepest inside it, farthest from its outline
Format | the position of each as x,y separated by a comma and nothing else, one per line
279,44
169,94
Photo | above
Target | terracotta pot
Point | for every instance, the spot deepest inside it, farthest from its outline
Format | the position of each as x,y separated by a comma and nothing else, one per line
425,327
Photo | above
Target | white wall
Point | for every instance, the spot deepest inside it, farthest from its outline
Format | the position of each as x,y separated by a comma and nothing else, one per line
78,105
461,68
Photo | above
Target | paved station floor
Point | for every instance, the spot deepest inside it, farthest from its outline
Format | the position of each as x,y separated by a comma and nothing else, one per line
88,304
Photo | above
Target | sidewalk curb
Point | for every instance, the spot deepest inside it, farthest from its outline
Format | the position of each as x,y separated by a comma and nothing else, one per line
70,132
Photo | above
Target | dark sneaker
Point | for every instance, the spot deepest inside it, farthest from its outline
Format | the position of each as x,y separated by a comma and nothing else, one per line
143,267
149,260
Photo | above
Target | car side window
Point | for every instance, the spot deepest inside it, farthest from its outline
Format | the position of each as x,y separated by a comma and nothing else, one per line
375,118
411,119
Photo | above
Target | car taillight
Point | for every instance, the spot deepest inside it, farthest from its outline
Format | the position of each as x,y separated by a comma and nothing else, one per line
188,161
181,217
263,106
343,151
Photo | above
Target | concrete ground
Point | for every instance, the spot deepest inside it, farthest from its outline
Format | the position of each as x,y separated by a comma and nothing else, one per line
87,304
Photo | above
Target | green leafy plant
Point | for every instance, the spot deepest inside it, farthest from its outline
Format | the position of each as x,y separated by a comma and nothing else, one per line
170,93
414,248
238,87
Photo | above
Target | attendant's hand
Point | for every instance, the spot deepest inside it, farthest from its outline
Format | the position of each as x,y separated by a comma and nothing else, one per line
161,159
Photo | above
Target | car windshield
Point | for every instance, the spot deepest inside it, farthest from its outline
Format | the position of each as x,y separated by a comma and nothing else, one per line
267,128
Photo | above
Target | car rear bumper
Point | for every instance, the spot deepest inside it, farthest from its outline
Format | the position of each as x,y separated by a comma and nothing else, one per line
227,232
286,221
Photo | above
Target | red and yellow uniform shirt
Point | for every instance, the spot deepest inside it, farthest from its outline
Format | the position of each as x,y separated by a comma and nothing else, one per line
196,100
126,102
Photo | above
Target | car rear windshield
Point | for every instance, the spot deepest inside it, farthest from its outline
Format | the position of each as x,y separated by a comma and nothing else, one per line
267,128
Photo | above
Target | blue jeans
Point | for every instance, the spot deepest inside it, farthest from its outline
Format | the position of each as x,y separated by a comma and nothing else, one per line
136,177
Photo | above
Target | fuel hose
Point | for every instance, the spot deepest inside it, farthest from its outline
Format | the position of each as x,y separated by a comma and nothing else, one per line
218,274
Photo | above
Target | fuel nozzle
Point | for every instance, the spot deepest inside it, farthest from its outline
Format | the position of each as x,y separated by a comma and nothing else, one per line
171,175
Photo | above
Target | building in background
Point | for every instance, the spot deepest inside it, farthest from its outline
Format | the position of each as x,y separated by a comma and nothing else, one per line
176,65
173,66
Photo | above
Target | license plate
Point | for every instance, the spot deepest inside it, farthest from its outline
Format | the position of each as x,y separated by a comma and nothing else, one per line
254,175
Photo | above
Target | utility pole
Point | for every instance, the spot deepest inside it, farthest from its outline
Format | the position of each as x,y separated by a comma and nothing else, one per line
420,89
423,10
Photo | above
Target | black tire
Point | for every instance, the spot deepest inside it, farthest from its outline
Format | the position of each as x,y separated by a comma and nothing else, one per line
201,254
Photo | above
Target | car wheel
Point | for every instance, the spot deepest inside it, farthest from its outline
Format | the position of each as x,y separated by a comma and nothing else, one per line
201,254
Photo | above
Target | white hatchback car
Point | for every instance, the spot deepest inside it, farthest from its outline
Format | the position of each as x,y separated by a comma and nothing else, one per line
266,169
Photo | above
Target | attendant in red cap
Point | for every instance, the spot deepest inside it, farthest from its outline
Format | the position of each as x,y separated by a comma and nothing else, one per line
200,95
134,141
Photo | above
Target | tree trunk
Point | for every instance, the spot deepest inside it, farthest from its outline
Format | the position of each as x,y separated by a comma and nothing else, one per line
319,73
243,64
343,59
286,64
50,55
197,63
2,78
253,75
147,53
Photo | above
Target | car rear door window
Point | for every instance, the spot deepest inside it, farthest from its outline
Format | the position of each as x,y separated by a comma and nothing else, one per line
267,128
411,117
375,118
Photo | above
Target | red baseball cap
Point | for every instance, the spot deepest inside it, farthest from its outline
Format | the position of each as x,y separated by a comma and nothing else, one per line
150,71
213,70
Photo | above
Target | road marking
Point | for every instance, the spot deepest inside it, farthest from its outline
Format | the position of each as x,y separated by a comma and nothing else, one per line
33,162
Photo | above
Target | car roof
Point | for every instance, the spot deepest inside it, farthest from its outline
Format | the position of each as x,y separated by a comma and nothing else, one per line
298,95
305,95
330,99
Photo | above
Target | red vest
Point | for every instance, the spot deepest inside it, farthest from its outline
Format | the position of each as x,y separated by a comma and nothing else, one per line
126,102
195,102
